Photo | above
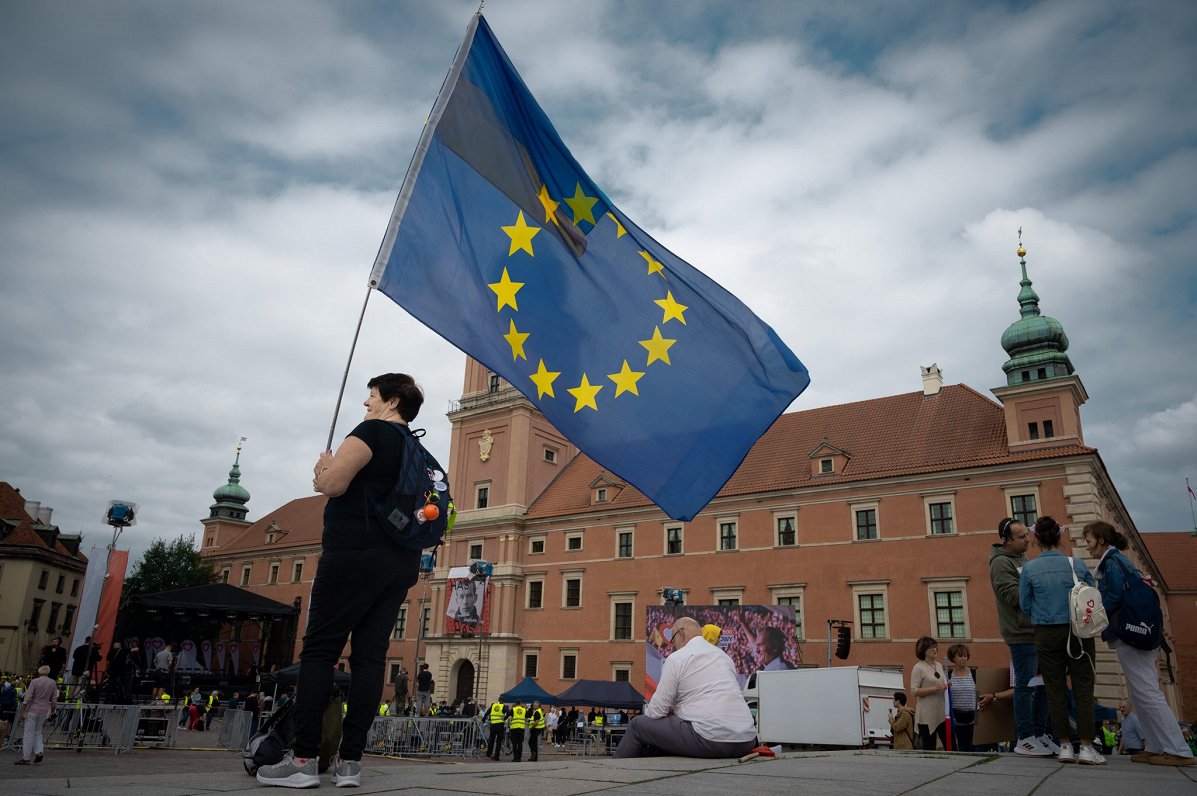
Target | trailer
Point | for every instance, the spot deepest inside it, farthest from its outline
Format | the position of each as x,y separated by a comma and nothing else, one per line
841,706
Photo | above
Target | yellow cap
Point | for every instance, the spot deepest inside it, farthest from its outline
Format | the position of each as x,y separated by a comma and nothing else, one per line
711,633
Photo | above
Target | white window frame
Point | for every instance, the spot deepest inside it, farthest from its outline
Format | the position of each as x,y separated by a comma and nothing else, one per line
875,505
872,587
272,573
734,521
621,666
470,549
398,634
826,466
959,584
623,598
681,529
566,576
778,516
528,593
790,591
478,487
543,545
297,576
631,531
1011,492
561,662
728,593
246,574
580,536
531,653
928,500
225,574
550,454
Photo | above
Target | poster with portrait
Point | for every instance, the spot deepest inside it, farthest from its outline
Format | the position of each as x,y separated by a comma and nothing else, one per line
755,637
467,611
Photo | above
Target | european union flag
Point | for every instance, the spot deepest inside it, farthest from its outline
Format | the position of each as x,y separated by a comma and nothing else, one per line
503,245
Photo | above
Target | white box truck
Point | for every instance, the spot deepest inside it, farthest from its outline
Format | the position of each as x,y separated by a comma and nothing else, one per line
839,706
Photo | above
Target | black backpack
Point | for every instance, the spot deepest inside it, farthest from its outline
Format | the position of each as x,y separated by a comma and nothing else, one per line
406,512
1139,621
272,740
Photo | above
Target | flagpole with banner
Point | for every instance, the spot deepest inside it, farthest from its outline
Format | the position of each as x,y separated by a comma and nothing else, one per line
502,244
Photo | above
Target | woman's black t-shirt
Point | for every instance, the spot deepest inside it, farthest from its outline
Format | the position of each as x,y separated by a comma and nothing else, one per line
349,521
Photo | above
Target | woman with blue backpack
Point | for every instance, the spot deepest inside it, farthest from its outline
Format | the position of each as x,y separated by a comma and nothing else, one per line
1134,634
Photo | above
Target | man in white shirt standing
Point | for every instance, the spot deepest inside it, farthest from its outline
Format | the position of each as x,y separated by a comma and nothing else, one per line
697,710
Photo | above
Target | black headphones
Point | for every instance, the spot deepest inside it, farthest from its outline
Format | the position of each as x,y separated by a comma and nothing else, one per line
1004,528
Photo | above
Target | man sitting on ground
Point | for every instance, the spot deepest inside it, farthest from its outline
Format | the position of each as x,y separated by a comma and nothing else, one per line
697,710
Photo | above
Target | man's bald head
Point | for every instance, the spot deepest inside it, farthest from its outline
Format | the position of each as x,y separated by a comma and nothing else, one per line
688,628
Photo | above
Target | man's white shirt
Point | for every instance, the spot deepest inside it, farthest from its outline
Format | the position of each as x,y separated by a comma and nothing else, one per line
698,684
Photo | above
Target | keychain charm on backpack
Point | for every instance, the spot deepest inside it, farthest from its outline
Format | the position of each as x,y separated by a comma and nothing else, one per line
430,511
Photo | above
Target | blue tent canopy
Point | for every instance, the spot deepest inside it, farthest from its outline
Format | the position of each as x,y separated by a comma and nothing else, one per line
526,691
602,694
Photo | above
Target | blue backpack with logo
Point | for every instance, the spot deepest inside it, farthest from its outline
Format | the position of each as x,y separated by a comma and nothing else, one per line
1140,621
417,511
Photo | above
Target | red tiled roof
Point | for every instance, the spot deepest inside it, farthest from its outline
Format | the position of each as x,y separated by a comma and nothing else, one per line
1175,554
12,505
885,437
301,519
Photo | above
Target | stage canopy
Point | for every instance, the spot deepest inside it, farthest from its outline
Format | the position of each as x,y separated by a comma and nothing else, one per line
218,599
602,694
526,691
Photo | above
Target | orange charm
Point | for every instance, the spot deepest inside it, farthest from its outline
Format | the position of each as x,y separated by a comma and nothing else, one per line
431,512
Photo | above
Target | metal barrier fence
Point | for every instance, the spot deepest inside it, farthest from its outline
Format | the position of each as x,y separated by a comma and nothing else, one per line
235,726
86,727
425,736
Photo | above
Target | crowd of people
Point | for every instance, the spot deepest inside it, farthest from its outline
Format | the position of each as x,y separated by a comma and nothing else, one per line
1052,666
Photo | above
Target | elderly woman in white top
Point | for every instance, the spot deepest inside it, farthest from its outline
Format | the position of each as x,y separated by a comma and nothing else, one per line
39,704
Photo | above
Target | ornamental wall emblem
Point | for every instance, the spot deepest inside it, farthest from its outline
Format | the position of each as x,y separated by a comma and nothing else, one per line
485,444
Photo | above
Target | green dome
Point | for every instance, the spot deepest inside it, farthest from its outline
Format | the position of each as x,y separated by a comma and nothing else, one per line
1035,342
232,497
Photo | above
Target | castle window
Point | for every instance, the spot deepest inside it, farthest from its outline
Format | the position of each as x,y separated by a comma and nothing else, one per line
273,573
825,466
482,496
1023,509
494,382
550,455
673,540
786,534
1033,430
1048,430
1041,373
476,550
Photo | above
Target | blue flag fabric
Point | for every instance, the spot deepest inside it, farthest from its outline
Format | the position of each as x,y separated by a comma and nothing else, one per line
503,245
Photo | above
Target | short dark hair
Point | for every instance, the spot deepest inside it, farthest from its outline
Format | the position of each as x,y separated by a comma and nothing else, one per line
775,640
402,387
956,650
901,697
1047,531
922,645
1104,532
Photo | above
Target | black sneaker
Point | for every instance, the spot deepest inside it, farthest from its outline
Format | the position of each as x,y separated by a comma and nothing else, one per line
38,758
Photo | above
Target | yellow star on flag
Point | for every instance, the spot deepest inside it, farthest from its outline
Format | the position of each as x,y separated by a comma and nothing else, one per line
515,338
619,230
658,347
505,289
550,207
521,236
654,267
543,378
584,394
672,308
625,380
582,205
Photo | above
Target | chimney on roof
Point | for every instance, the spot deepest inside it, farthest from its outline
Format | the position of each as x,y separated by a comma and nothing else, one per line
31,508
932,379
43,515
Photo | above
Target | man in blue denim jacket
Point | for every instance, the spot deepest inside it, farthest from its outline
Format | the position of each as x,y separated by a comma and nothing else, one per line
1044,589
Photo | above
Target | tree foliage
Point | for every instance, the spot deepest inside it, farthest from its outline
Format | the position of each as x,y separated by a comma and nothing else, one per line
168,565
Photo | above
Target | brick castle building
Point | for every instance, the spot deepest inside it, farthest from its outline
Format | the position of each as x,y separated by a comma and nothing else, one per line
881,512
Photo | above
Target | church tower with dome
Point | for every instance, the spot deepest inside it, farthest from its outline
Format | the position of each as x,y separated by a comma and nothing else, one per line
227,515
1043,395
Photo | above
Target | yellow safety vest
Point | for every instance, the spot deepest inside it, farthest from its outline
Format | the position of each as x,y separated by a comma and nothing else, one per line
598,720
211,699
384,709
538,719
165,698
344,708
517,717
496,713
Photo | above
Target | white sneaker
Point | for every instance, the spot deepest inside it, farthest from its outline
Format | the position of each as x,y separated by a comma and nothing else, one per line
1066,754
1090,757
1047,743
1031,747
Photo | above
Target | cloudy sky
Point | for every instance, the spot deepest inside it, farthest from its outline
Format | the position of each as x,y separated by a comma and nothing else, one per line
192,194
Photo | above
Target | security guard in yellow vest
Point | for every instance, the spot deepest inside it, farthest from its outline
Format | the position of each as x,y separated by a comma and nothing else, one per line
494,742
535,729
384,709
519,720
